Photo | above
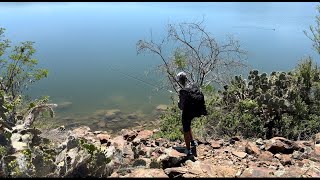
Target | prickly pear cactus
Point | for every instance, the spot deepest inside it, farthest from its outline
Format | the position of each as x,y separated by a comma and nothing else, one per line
287,102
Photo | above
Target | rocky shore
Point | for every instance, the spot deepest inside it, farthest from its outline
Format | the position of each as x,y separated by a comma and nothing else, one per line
82,152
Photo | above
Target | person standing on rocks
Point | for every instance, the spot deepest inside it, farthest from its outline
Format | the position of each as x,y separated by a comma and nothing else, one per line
189,107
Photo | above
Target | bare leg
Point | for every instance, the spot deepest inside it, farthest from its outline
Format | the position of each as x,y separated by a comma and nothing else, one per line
187,139
190,135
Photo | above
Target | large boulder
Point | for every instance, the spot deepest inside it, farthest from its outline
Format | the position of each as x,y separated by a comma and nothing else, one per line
171,158
281,145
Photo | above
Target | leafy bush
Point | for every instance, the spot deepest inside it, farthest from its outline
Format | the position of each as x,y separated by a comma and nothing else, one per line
17,72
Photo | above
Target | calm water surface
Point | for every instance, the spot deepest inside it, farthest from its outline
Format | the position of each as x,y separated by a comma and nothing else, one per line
80,42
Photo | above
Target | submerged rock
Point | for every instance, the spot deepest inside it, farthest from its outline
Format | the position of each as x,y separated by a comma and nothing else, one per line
111,114
64,105
162,107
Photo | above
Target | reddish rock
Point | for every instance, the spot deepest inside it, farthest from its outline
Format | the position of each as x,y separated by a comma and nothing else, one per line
144,173
293,172
252,149
300,163
154,155
239,154
189,175
281,145
285,159
174,171
208,169
128,135
194,167
224,171
215,144
81,131
313,172
317,138
317,149
257,172
119,142
103,137
174,153
171,158
160,141
115,175
265,156
204,150
143,135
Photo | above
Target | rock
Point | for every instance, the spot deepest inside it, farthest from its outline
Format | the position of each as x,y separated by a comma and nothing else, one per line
285,159
118,142
128,153
143,135
64,105
19,146
259,142
175,171
303,145
232,140
102,124
80,132
132,116
15,137
265,156
257,172
223,171
204,150
109,152
139,162
174,153
281,145
111,114
114,175
144,173
104,138
160,142
72,142
128,135
188,176
251,148
171,158
161,107
317,149
239,154
292,172
317,138
278,156
279,173
297,155
215,145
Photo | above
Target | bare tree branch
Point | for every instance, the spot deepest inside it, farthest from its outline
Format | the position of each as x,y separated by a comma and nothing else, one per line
206,61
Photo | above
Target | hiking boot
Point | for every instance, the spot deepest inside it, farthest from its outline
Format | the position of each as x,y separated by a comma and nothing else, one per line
194,143
188,152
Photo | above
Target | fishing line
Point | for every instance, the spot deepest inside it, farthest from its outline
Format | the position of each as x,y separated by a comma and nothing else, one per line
256,27
140,80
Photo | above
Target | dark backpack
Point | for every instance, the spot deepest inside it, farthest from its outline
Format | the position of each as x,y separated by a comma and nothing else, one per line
193,101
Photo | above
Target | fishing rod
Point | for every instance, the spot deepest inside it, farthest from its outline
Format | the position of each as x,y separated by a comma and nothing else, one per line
138,79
